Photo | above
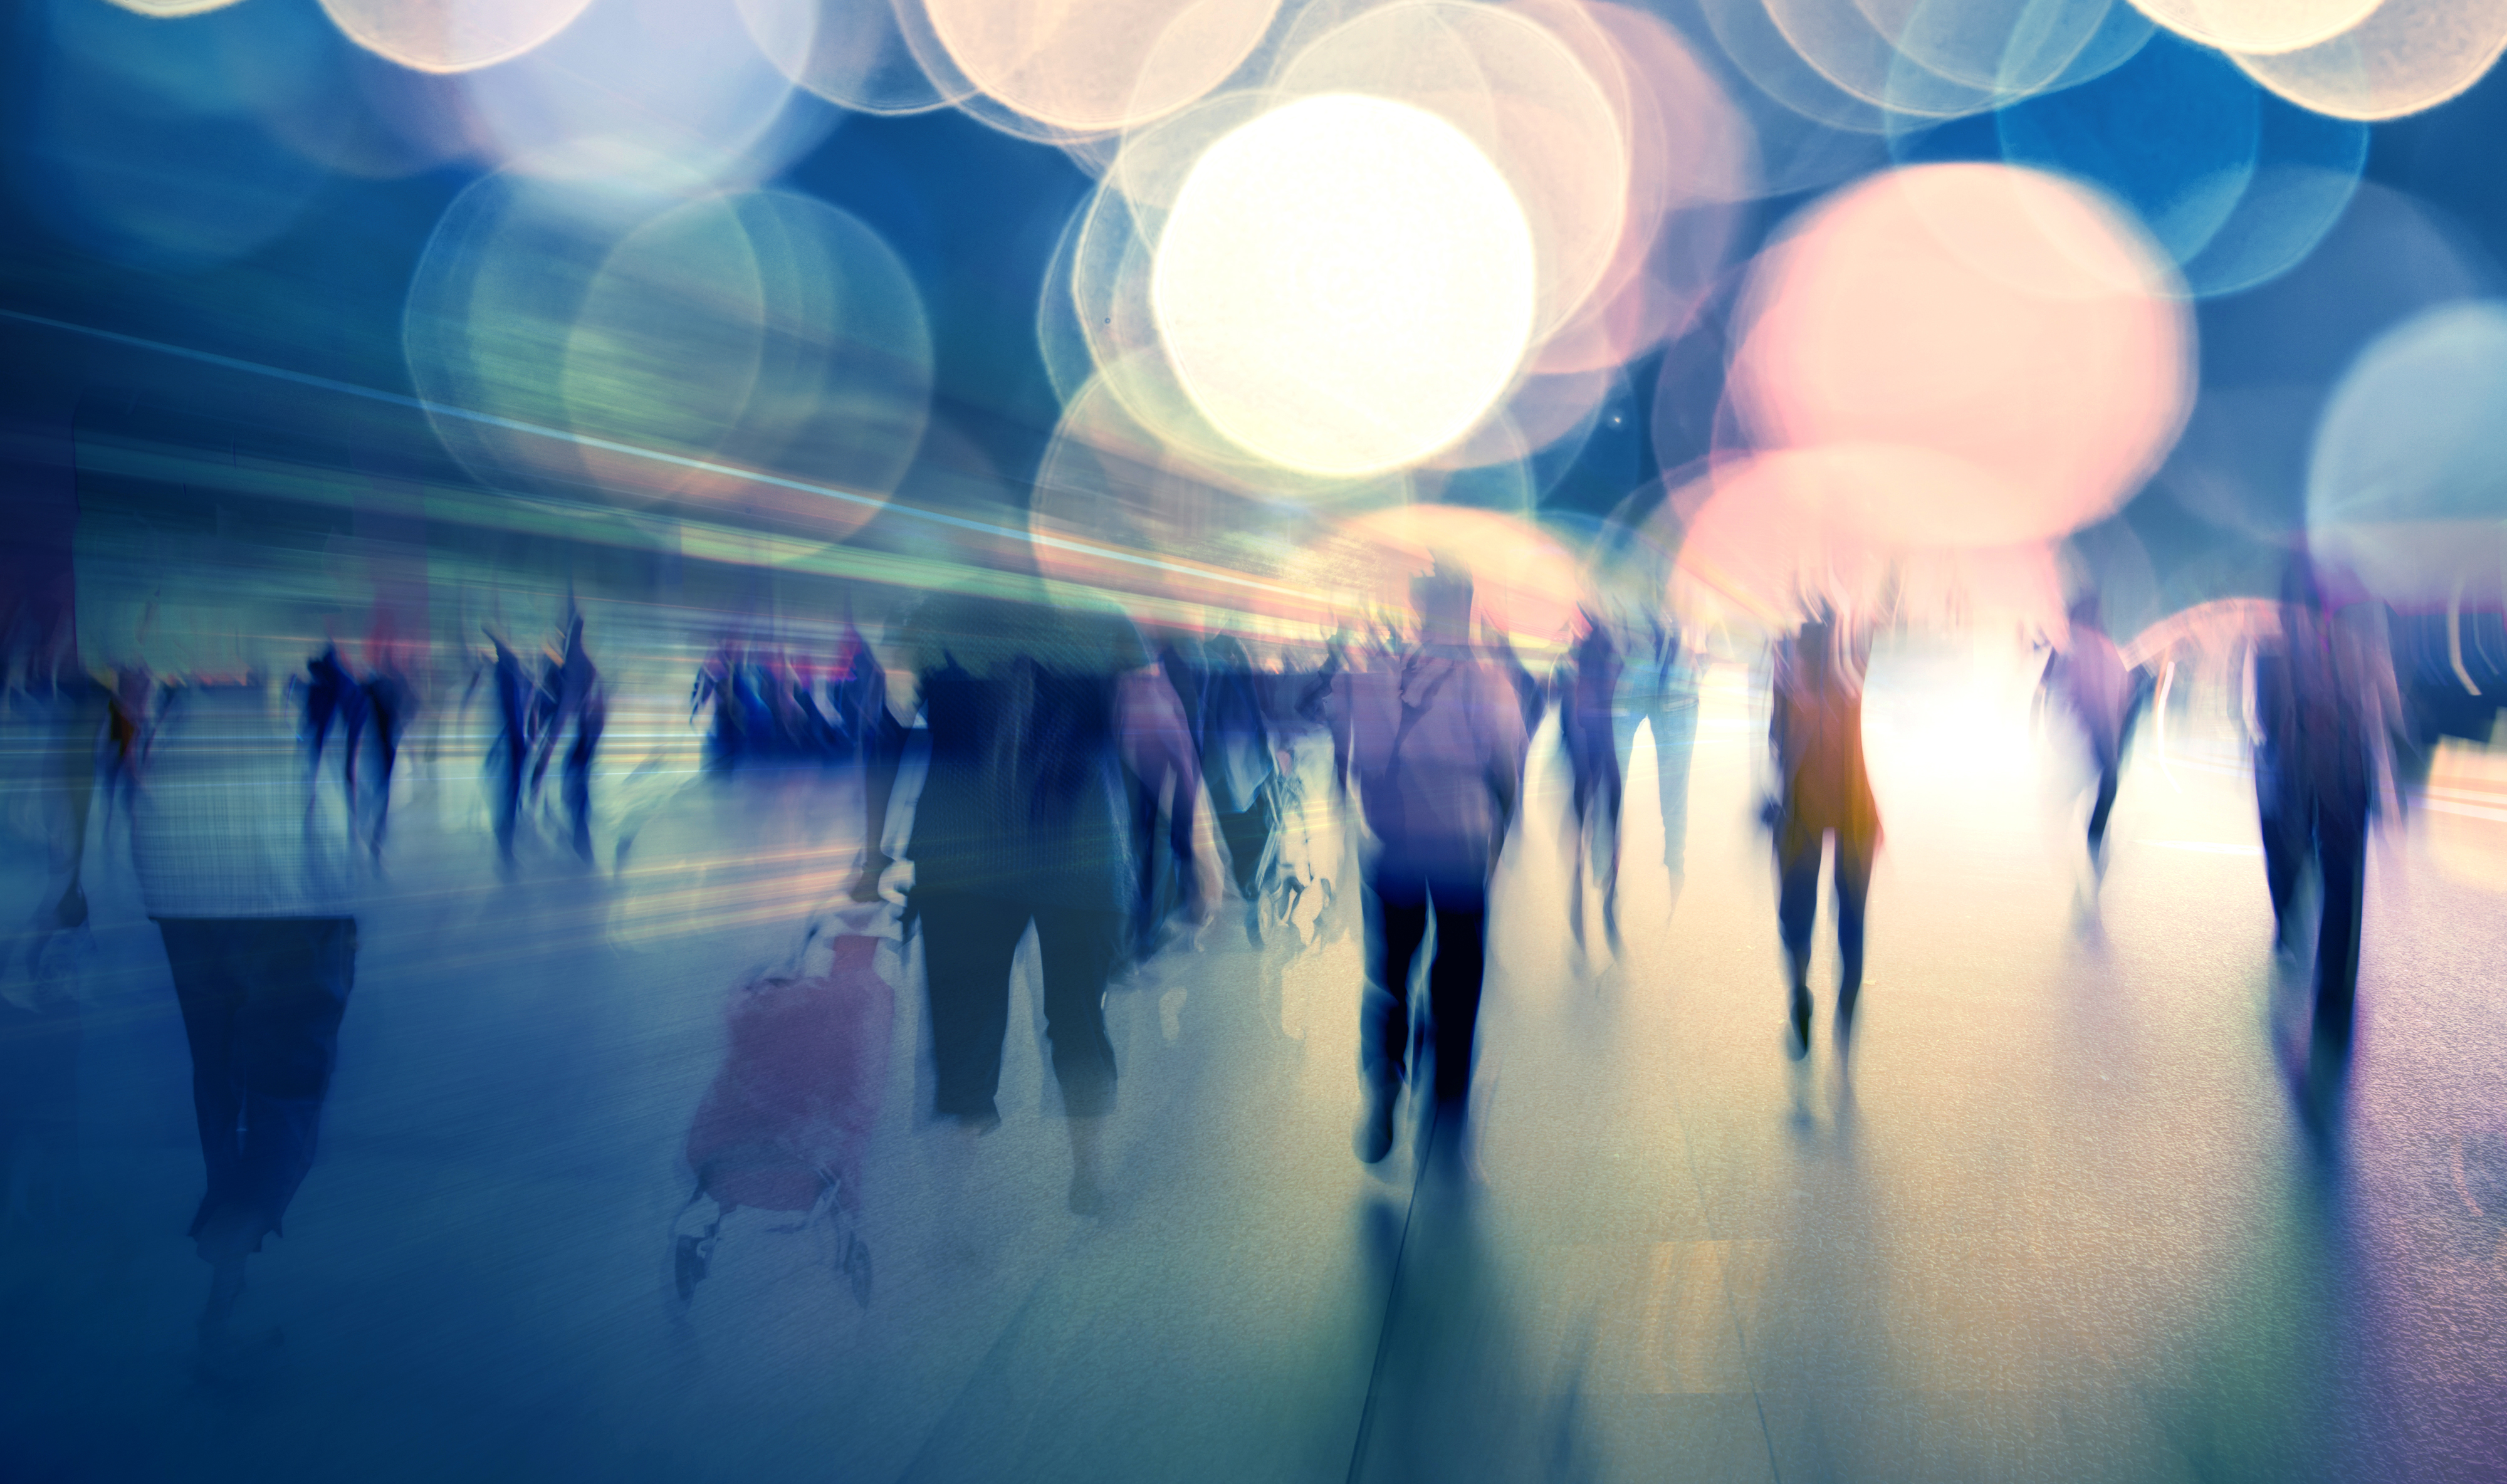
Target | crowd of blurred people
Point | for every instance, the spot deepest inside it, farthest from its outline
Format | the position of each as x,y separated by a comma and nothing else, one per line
1115,787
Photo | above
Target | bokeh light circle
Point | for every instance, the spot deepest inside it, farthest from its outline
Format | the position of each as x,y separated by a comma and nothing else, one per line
1534,108
552,328
2404,57
1996,317
1346,284
639,91
851,53
2403,485
1098,67
2258,25
452,35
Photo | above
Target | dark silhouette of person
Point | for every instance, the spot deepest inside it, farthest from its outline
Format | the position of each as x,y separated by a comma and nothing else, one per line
1815,729
251,887
391,703
2327,711
2102,693
513,690
1435,740
576,700
1034,710
1237,760
1589,686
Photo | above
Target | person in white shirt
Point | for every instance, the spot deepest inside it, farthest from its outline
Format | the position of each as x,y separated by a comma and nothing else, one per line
246,864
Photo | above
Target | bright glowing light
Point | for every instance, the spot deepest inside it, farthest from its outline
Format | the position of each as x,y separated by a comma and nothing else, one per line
1345,285
452,35
1996,317
2258,25
1526,101
1100,66
2405,57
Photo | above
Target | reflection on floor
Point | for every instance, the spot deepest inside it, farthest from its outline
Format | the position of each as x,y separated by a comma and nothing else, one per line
2065,1209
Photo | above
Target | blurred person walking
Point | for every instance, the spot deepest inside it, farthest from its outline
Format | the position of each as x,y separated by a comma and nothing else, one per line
1588,685
1658,687
391,701
574,699
1034,711
2088,674
2326,714
238,834
1238,760
511,753
1436,745
57,720
1815,732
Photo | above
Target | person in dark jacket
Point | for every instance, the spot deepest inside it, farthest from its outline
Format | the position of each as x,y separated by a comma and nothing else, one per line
1034,711
1588,685
2327,711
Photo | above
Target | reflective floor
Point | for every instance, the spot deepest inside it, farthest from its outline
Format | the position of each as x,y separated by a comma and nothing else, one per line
2070,1207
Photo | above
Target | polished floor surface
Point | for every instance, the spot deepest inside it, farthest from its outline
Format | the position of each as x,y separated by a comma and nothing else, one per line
2072,1206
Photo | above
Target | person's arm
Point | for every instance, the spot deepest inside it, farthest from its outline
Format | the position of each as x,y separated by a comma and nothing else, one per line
1507,743
1338,706
1158,745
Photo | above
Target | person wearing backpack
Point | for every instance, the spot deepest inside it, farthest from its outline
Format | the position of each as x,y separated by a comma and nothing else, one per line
1434,741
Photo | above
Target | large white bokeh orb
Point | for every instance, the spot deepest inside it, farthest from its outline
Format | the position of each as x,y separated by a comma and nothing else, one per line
1345,284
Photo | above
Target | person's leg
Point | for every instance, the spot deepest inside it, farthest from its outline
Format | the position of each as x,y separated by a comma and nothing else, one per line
509,786
1079,949
1853,890
1454,979
1797,912
578,777
1397,921
297,974
883,752
1675,738
211,999
1605,851
387,707
2108,758
2341,856
2283,851
1247,834
969,943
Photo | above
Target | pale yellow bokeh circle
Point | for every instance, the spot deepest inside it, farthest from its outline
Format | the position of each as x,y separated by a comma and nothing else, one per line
1345,285
2407,57
2257,25
1104,65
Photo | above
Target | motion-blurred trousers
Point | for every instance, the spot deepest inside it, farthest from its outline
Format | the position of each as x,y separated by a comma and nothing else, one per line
969,945
1398,905
1798,904
262,999
1673,715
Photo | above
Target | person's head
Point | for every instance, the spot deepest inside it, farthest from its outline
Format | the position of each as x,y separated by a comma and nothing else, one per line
1443,599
